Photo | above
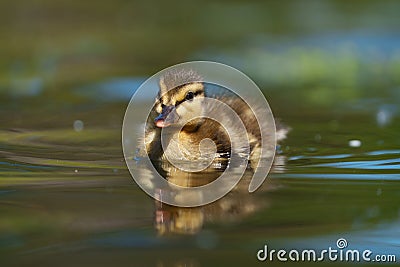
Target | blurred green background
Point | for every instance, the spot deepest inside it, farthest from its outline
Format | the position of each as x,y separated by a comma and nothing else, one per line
55,45
329,69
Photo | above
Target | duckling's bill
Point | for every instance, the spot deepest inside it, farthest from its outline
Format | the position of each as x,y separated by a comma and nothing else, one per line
167,117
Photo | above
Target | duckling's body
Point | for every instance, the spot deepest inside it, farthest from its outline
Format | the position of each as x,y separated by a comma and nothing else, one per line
180,99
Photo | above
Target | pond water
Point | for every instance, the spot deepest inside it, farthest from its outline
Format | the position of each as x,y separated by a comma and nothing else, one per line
67,198
66,193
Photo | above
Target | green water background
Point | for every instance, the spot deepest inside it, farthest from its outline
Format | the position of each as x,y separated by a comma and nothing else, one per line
329,69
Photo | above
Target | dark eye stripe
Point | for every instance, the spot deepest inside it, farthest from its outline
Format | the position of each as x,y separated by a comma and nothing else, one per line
195,93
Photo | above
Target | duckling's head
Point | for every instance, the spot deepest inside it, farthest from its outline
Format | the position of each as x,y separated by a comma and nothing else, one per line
179,100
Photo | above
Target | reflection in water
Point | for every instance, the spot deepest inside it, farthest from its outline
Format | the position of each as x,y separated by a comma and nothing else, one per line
330,68
99,210
237,204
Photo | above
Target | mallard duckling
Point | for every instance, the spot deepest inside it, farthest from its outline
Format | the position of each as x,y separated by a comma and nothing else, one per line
180,98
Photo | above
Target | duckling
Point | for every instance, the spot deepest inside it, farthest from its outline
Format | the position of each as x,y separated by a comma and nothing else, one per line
180,99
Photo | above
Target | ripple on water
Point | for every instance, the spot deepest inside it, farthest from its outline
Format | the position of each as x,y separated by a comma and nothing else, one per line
383,167
382,164
344,176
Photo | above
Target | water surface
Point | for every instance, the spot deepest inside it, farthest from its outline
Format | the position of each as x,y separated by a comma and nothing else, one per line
330,70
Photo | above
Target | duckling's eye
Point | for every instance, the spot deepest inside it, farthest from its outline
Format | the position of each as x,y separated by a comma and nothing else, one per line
189,96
